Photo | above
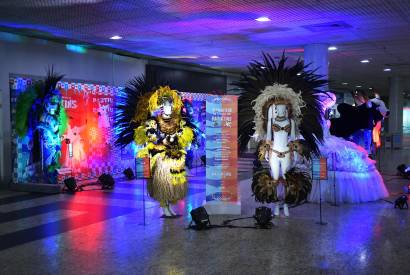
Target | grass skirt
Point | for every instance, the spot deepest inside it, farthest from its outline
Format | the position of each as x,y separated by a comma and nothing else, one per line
169,183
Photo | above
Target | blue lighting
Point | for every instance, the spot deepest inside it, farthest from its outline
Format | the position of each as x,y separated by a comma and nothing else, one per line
76,48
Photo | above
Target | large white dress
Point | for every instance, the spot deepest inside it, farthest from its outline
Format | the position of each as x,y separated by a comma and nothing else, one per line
351,174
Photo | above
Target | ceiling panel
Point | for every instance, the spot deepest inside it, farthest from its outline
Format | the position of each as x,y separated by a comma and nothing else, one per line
193,30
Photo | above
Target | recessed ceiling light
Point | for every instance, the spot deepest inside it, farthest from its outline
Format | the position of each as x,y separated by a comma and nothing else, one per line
263,19
214,56
387,70
298,73
365,61
358,86
344,83
332,48
370,88
116,37
263,67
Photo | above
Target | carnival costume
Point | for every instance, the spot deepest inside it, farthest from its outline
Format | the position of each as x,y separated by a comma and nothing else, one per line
280,108
155,119
40,115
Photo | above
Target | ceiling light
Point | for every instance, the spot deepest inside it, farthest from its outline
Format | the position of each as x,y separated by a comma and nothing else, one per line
332,48
370,88
387,70
365,61
116,37
263,19
344,83
263,67
214,56
298,73
358,86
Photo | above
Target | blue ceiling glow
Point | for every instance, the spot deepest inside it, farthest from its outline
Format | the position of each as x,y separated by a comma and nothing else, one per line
76,48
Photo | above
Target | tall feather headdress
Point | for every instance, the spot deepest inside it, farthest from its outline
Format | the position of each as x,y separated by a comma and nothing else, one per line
296,85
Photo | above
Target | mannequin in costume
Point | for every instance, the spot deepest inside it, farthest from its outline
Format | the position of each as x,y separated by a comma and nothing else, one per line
160,126
40,115
355,175
280,108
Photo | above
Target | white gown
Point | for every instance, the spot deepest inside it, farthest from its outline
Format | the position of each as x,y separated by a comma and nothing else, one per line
356,176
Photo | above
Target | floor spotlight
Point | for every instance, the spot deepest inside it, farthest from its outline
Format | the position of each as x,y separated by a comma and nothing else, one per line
401,202
200,218
71,184
106,181
129,174
263,217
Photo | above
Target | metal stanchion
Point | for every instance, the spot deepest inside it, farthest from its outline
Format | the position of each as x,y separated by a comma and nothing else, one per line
143,192
321,222
334,180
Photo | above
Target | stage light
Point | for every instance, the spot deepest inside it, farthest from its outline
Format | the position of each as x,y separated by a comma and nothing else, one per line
129,174
201,218
332,48
214,56
106,181
116,37
387,70
401,202
263,19
71,184
365,61
263,217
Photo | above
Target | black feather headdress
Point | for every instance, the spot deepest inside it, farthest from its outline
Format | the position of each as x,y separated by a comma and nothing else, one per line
304,82
130,106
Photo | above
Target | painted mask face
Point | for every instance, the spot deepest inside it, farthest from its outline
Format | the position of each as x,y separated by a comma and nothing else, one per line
52,104
281,111
167,109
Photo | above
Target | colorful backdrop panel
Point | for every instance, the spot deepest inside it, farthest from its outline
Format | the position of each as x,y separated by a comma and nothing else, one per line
87,146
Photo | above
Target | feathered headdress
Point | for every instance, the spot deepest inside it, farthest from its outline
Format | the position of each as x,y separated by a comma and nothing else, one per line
135,104
132,109
296,85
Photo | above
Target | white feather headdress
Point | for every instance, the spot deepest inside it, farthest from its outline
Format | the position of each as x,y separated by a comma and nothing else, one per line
274,94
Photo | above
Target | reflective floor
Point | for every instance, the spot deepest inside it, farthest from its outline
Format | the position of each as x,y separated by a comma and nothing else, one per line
102,232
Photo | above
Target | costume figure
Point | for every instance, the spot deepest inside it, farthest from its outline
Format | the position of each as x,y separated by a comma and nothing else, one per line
160,126
41,116
352,175
280,106
356,123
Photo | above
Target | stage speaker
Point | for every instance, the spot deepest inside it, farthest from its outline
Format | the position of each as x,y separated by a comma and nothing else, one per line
106,181
129,174
201,218
71,184
263,217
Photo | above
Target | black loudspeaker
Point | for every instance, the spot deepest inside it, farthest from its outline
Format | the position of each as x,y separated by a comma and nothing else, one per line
263,217
71,184
106,181
129,174
201,218
401,202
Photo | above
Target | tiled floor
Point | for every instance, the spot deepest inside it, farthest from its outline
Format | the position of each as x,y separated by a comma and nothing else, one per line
102,232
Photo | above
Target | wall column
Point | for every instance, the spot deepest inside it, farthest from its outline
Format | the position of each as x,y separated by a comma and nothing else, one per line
316,57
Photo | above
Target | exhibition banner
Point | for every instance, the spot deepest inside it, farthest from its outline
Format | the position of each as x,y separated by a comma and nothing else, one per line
221,148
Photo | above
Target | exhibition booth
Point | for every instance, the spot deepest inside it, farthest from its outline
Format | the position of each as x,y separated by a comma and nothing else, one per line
160,126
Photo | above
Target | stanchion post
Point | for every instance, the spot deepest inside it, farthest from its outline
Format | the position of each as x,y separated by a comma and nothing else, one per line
334,180
320,205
